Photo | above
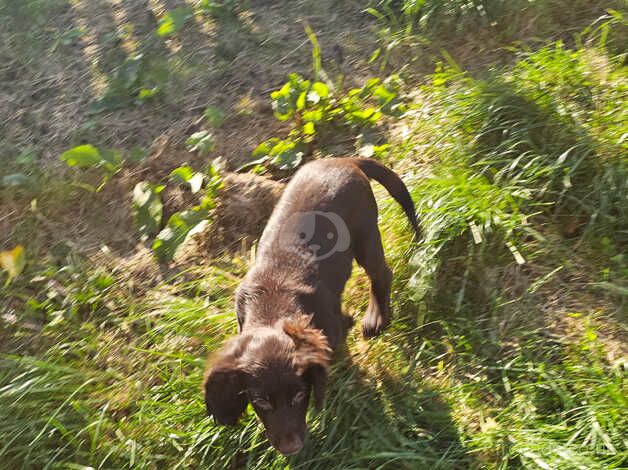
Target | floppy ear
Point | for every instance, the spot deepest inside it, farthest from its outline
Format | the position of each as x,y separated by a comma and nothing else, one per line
224,385
316,377
312,354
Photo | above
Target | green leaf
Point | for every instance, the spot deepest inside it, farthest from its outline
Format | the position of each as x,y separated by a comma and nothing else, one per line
375,13
283,154
111,160
290,97
283,107
13,262
384,95
215,182
147,208
375,55
201,142
14,180
148,93
179,227
263,149
186,174
309,129
315,115
287,155
182,174
216,9
215,116
367,116
111,156
301,101
173,21
83,156
320,89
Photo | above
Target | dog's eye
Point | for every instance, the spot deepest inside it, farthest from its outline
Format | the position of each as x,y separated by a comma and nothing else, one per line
298,398
262,404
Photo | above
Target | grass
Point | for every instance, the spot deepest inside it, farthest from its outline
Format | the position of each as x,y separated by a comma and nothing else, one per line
508,345
478,33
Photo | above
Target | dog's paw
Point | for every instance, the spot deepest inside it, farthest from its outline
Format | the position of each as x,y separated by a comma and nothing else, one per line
373,324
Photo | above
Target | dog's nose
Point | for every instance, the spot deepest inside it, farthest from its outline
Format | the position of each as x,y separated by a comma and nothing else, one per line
290,445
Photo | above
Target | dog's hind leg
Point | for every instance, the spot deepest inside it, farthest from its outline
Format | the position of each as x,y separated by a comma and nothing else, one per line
369,254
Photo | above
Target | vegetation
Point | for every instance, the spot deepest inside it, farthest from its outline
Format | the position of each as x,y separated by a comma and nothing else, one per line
508,347
321,117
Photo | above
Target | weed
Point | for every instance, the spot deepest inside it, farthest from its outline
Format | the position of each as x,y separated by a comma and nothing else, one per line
318,112
148,210
137,80
107,161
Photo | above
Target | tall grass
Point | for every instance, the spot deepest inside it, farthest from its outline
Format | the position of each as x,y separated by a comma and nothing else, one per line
534,144
502,17
414,16
521,161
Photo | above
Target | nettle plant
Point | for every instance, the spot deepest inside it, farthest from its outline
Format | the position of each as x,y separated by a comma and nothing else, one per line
148,210
318,112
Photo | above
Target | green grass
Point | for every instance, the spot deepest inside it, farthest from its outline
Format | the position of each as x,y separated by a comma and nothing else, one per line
480,32
505,18
508,345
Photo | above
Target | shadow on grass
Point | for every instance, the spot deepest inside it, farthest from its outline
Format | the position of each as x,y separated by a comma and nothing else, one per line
527,144
376,420
497,325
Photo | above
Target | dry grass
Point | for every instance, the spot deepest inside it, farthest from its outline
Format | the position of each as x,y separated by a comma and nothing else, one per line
232,62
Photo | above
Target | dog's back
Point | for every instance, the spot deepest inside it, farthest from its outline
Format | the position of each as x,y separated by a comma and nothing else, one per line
326,217
326,209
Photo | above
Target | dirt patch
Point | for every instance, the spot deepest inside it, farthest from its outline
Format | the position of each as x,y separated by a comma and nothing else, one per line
245,204
243,207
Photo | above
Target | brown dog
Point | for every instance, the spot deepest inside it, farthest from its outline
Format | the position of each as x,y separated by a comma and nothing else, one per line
289,304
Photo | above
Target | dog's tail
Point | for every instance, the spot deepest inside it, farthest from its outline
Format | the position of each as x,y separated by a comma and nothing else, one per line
393,184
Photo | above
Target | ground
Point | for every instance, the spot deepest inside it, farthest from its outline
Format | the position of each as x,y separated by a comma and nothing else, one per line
508,347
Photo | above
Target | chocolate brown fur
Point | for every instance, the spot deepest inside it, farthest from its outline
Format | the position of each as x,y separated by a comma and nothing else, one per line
289,304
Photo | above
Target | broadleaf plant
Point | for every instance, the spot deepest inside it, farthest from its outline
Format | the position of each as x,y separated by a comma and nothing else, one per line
147,208
201,142
173,21
315,108
88,157
83,156
179,227
185,174
282,154
214,115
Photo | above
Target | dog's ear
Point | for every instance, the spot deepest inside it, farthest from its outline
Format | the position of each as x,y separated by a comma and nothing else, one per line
312,354
316,377
224,384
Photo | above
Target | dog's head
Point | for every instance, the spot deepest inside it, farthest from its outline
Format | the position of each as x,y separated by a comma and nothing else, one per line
276,370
